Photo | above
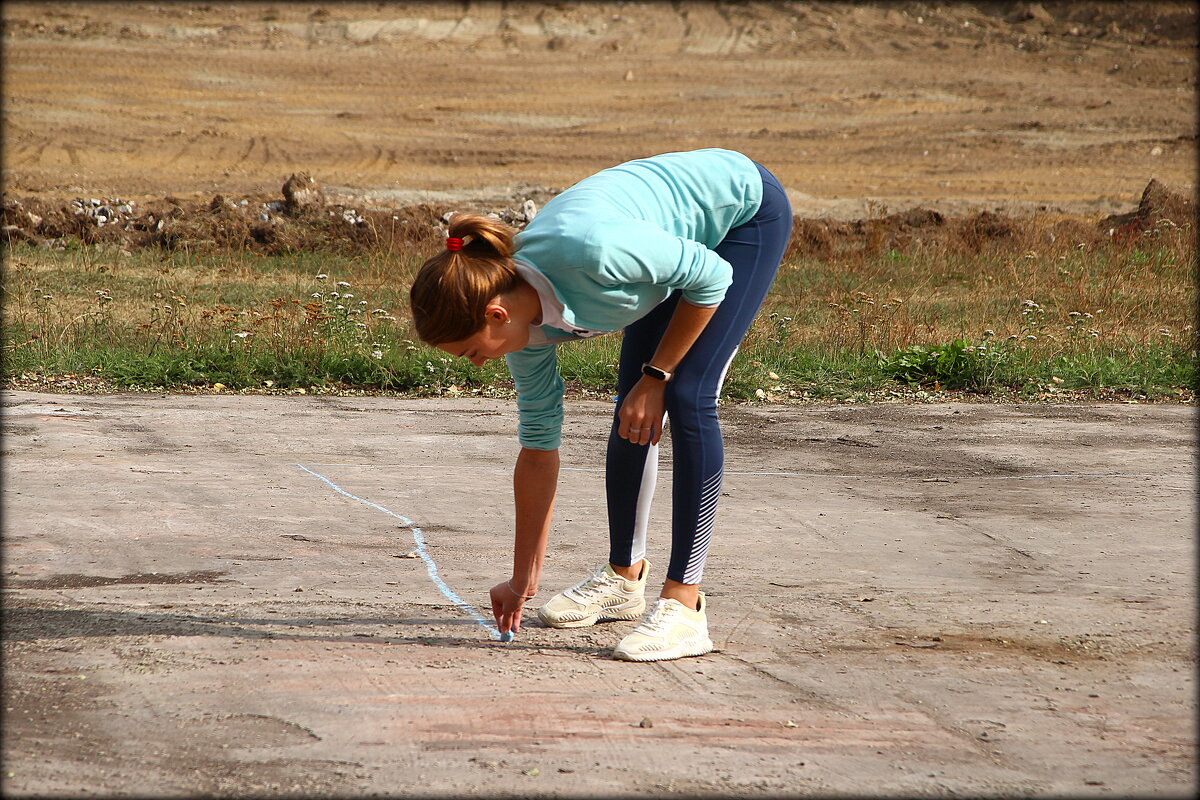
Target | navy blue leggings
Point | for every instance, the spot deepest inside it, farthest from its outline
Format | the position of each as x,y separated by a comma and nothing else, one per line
755,250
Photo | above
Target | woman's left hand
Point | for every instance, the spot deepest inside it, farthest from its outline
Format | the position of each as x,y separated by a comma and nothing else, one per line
642,412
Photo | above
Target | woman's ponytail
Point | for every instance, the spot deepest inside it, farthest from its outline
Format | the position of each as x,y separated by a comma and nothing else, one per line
452,289
482,235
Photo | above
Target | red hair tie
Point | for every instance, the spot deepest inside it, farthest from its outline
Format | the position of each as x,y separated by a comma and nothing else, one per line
454,244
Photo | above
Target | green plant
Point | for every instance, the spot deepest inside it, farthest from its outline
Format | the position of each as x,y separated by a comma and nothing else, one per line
954,365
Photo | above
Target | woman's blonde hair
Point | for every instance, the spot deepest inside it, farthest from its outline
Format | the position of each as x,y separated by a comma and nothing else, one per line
452,289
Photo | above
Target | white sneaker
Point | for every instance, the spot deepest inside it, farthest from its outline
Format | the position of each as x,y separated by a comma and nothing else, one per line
668,630
604,595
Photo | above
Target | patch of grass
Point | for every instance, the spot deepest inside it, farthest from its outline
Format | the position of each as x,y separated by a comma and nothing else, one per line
1091,318
956,365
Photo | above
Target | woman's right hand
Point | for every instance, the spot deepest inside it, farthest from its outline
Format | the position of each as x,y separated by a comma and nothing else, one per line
506,608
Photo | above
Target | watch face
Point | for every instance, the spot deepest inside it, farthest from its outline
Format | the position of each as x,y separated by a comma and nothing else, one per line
654,372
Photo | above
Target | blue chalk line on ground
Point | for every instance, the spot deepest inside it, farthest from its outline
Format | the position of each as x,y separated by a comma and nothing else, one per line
419,538
431,565
832,476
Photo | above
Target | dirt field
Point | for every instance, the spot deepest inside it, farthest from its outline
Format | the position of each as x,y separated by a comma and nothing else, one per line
954,107
216,594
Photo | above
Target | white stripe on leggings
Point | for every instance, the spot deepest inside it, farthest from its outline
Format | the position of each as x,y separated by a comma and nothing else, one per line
704,525
724,372
707,511
641,523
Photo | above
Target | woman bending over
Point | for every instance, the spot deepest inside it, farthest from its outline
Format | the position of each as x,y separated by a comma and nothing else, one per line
677,251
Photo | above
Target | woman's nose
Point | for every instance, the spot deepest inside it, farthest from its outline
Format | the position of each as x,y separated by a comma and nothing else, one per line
478,361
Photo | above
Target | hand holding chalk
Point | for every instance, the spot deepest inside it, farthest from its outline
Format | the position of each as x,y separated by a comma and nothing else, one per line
506,608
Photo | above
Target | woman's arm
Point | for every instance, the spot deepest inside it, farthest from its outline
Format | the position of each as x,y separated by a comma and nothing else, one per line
686,325
643,408
535,483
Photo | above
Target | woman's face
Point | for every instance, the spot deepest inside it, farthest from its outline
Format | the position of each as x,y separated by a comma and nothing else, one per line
499,336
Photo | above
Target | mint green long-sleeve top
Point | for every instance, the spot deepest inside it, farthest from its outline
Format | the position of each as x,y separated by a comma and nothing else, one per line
614,246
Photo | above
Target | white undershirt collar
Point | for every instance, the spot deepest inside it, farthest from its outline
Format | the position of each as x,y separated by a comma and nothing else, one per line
552,307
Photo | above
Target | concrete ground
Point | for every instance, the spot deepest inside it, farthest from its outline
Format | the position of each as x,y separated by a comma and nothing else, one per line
230,594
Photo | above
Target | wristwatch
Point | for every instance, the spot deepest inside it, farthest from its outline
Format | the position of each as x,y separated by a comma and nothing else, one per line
652,371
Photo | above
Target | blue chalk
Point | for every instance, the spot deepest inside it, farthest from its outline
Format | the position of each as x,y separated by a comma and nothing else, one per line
507,636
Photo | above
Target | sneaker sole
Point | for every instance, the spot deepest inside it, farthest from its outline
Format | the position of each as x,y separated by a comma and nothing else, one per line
604,615
681,650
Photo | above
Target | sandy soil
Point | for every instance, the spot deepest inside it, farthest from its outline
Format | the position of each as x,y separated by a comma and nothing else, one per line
956,107
916,600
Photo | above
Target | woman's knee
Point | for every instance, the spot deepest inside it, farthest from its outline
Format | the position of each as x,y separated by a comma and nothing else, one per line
691,408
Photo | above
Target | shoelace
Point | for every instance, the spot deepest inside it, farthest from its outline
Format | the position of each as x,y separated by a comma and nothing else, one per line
591,586
656,618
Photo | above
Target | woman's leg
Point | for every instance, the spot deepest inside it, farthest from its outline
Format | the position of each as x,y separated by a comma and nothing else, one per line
631,470
755,250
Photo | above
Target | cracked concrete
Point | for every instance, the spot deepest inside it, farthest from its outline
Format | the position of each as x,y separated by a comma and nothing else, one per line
187,611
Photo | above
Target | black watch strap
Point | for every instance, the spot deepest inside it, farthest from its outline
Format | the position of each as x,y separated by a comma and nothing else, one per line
652,371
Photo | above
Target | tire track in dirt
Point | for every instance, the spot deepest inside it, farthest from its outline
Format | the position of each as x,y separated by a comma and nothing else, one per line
18,140
245,155
39,147
185,149
72,154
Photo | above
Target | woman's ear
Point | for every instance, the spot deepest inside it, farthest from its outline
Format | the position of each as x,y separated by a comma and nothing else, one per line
496,312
